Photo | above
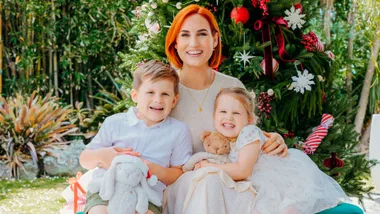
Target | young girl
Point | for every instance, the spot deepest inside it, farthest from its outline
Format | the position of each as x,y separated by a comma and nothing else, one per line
285,185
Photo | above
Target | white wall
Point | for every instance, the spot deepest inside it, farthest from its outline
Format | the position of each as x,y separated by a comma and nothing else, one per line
374,149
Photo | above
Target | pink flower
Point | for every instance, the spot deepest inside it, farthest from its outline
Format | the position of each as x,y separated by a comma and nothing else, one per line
330,54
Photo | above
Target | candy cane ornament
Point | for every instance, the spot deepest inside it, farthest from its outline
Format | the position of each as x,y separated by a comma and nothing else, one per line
315,139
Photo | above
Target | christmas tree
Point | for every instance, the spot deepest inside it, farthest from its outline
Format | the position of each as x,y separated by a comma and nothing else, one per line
265,45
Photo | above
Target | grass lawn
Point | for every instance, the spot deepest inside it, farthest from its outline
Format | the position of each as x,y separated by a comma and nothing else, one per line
41,195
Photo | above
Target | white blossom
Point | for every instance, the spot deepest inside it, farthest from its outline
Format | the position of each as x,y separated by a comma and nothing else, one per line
153,5
321,78
303,81
270,92
178,5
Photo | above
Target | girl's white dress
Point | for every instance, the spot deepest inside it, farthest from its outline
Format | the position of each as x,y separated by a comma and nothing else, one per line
294,182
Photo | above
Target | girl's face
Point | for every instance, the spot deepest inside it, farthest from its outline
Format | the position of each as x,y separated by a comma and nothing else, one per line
230,116
195,42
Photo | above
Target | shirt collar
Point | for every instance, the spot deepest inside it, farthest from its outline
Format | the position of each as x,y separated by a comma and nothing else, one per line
131,116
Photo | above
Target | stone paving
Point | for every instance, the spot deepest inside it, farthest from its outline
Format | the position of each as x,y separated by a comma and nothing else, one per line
371,206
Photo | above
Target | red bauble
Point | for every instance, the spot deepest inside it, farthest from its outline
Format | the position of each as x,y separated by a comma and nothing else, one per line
275,65
333,161
240,14
298,6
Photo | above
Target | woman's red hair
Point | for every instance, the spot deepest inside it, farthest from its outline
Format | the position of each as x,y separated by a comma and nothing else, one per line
174,29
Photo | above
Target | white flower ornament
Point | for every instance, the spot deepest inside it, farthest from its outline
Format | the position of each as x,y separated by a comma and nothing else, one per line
303,81
294,18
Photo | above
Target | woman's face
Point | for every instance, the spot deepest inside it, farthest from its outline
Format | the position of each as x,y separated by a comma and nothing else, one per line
195,41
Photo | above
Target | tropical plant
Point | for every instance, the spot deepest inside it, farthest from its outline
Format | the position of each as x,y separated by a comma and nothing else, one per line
77,117
30,127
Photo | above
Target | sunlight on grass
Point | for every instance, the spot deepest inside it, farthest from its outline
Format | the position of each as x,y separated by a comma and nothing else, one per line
32,196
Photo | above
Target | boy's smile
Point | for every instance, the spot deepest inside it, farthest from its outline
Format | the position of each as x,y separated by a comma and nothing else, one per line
154,100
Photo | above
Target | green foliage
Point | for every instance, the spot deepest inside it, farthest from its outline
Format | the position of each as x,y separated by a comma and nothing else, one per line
30,127
366,17
78,38
113,104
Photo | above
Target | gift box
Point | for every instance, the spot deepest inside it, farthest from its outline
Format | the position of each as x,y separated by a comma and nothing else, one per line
75,193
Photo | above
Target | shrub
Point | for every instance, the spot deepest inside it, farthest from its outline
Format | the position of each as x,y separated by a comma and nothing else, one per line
30,127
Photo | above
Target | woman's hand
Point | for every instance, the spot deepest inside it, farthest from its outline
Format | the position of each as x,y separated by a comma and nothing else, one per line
275,145
201,164
108,154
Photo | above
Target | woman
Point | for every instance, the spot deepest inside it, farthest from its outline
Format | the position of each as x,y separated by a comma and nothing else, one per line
193,45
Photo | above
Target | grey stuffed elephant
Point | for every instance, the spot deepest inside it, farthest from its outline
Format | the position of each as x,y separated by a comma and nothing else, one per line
125,186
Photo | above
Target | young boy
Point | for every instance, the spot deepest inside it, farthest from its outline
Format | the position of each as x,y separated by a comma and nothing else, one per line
162,142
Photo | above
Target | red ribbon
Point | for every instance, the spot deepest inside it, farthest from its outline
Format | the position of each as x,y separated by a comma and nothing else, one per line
148,174
74,186
263,24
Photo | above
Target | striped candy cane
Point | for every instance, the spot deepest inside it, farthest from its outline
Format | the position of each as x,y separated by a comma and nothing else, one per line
314,139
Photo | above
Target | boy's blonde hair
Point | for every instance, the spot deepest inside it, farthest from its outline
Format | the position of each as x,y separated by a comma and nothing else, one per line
155,70
241,95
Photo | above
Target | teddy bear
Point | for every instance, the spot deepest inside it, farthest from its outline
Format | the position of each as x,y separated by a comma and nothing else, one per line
127,186
216,148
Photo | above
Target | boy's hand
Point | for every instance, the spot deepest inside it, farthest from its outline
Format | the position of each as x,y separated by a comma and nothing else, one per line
126,151
108,154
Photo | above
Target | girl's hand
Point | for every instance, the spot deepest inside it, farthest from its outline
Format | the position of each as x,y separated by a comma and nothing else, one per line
108,154
275,145
202,164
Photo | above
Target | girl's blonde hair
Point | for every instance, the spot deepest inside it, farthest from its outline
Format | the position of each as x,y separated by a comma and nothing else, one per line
241,95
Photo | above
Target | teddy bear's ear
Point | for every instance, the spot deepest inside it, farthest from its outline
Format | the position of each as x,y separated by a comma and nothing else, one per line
205,134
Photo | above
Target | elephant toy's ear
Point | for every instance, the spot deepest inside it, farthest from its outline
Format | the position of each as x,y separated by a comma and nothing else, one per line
107,187
152,196
108,184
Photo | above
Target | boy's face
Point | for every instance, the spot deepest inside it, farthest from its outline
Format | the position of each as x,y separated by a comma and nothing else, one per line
154,100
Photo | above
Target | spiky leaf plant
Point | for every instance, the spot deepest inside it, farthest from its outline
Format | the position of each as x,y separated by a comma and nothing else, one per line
30,127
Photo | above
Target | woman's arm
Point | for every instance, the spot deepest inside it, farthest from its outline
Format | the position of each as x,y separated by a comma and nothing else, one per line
275,145
243,168
165,175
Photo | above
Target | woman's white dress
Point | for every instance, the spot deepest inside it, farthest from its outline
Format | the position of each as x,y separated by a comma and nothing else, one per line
291,182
